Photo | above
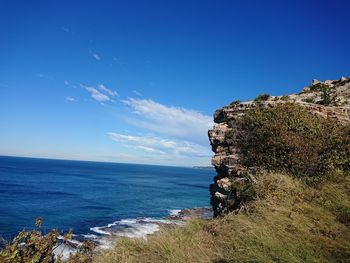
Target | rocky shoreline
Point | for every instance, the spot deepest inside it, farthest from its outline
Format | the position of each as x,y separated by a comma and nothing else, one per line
133,228
204,213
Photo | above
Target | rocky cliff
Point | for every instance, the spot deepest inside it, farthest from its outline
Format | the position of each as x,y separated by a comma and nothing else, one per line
329,99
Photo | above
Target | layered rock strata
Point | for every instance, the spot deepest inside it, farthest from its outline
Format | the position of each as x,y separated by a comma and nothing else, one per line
227,159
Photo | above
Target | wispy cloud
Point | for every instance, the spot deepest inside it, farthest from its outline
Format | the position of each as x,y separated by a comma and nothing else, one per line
137,93
108,91
95,94
67,30
170,121
96,56
150,150
69,98
158,145
45,76
67,83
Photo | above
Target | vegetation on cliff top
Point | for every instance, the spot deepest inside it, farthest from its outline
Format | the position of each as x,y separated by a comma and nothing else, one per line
288,138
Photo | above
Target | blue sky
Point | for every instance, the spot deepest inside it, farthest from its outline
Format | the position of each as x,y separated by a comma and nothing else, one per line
138,81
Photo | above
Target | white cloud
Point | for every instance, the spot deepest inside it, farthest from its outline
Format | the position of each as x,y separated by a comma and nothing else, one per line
96,56
108,91
69,98
66,82
95,94
67,30
158,145
186,124
137,93
150,150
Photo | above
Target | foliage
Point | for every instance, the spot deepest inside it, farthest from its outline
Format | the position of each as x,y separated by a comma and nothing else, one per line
84,254
262,97
30,246
36,247
328,95
309,100
235,102
285,97
243,191
288,138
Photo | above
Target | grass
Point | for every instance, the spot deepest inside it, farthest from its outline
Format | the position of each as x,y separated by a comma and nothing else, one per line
288,222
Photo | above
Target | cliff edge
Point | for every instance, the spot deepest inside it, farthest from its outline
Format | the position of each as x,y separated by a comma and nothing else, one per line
329,99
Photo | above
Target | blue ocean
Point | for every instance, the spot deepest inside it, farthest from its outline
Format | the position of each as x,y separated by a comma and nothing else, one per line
92,197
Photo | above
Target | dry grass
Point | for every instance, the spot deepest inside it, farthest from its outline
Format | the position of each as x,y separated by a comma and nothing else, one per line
289,222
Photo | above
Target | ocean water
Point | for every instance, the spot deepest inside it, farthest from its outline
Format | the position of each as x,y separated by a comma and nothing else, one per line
95,199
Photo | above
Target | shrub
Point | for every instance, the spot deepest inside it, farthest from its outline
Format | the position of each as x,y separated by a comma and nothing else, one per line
289,138
84,254
31,246
285,97
328,96
309,100
262,97
235,102
36,247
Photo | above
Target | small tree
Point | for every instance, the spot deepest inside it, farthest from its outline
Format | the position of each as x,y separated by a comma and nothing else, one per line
262,97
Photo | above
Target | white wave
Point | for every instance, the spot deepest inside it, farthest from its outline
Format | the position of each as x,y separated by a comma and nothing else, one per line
174,212
65,251
133,228
72,241
105,242
139,230
90,236
99,230
165,221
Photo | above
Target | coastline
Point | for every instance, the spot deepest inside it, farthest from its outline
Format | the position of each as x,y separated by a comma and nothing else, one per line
104,237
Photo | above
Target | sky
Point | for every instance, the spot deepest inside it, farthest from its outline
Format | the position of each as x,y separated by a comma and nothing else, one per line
139,81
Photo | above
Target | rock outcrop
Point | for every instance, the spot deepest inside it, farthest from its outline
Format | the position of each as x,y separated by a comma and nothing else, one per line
329,99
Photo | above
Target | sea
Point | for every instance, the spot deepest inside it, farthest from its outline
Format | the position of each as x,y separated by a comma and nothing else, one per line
95,199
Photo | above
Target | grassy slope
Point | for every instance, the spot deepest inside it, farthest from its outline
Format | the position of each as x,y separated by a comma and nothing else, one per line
289,222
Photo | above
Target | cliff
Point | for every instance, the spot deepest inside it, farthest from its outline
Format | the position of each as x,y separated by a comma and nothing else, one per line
329,99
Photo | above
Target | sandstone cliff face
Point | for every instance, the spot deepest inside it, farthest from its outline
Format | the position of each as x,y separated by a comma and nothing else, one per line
226,159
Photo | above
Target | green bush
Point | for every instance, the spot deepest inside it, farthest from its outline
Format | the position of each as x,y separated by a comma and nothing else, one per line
328,95
289,138
285,97
31,246
235,102
262,97
36,247
309,100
